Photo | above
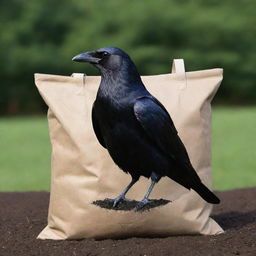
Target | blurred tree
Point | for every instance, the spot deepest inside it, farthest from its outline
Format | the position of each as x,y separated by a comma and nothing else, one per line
42,36
32,33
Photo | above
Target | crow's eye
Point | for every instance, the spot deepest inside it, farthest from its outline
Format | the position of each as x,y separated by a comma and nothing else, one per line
104,54
101,54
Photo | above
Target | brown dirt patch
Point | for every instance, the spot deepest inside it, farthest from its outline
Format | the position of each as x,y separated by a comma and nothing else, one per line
130,205
23,216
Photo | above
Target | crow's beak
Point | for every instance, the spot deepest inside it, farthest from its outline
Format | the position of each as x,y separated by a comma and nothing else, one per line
86,57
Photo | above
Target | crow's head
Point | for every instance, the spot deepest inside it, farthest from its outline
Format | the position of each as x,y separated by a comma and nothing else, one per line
108,58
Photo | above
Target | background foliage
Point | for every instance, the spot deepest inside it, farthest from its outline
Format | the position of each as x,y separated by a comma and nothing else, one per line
42,36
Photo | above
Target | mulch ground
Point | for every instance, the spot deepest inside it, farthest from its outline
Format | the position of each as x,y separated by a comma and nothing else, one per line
23,216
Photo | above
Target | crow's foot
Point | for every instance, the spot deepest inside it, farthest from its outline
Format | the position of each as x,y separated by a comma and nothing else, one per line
119,199
142,204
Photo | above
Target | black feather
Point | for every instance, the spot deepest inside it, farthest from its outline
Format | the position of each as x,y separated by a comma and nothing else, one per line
206,194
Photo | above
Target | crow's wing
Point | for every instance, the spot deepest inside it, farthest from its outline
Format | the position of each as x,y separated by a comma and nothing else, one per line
158,125
96,128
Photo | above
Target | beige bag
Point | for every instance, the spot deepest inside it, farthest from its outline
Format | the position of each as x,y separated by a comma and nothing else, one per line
82,170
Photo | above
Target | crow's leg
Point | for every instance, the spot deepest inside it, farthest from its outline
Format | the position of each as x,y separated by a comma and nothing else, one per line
121,197
145,200
154,179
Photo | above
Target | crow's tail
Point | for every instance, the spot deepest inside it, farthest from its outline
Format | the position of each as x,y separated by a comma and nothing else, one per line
206,194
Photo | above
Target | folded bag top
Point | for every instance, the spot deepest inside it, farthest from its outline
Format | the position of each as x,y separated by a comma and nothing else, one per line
83,172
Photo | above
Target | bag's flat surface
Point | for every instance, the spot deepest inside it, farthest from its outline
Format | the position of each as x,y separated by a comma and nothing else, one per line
82,170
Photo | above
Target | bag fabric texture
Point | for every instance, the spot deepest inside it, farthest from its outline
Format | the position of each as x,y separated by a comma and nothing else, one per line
82,170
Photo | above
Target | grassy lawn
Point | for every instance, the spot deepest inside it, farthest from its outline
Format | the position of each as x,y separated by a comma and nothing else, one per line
234,147
25,151
25,154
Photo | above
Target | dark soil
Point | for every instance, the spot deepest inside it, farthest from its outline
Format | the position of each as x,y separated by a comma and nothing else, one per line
24,215
130,205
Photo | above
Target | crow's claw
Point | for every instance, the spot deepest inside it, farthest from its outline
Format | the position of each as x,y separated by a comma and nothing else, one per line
142,204
118,200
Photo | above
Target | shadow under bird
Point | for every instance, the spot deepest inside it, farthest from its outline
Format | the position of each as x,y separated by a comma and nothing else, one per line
135,127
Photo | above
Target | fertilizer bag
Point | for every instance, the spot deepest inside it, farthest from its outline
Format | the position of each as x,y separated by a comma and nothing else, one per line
82,171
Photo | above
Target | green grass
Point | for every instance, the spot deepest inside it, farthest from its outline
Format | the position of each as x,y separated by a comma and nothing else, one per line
25,151
25,154
234,147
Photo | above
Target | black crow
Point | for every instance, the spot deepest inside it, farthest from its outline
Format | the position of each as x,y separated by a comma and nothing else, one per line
135,127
